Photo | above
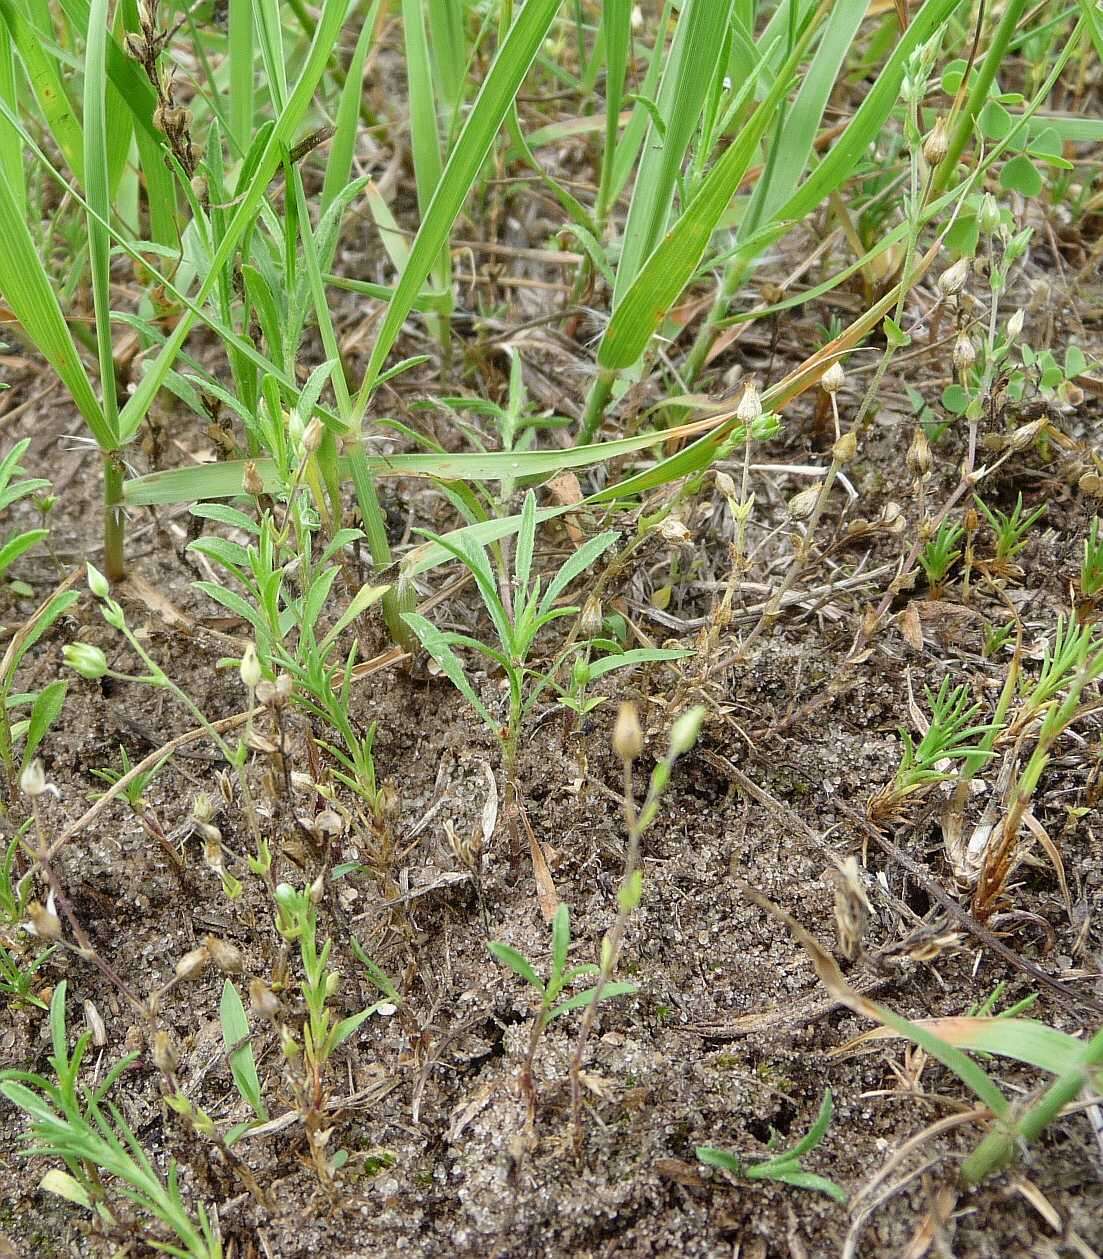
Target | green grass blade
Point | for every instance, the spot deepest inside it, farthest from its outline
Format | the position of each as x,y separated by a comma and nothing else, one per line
343,145
624,162
687,78
500,87
243,1067
616,29
850,147
672,265
437,645
270,37
11,147
46,83
242,82
98,195
449,52
29,294
793,144
248,204
223,480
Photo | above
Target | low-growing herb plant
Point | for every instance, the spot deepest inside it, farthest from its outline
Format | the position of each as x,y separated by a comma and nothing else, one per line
552,1002
628,745
520,606
784,1168
1076,1064
104,1160
939,554
297,924
1091,567
12,489
951,736
1010,529
17,976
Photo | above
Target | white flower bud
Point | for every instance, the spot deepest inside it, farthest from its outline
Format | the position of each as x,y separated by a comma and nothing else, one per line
250,667
97,582
686,730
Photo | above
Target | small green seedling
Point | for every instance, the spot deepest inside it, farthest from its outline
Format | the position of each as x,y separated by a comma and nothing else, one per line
1091,569
585,671
11,491
951,736
17,977
105,1161
519,609
559,978
784,1168
1010,529
939,554
995,637
16,890
297,923
135,790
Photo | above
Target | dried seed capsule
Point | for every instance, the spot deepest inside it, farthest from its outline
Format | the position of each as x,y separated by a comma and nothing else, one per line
43,922
918,458
833,379
845,449
750,404
264,1001
164,1053
803,504
936,145
192,963
226,956
952,280
251,480
627,735
965,355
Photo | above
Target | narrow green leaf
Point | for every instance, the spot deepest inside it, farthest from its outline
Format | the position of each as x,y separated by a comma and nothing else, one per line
436,644
499,88
248,203
677,256
687,77
580,999
517,962
44,712
29,294
243,1067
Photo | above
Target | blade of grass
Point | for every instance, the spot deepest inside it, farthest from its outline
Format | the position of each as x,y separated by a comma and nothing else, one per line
687,77
321,48
11,147
670,267
343,145
616,29
46,83
30,296
514,57
240,52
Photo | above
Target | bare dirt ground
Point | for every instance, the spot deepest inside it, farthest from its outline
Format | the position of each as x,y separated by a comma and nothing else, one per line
731,1037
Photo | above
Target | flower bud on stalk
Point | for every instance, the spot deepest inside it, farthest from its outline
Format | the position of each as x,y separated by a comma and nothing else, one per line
627,735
